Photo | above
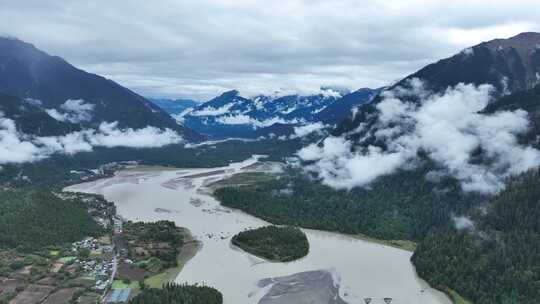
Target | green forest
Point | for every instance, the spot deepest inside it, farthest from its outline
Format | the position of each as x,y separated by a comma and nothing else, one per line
282,244
142,234
179,294
33,218
402,206
55,171
497,262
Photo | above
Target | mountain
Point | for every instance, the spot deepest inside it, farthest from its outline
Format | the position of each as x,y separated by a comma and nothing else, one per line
71,94
232,115
31,119
509,65
476,152
341,109
174,106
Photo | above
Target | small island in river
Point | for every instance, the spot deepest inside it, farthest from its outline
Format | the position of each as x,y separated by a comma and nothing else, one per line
280,244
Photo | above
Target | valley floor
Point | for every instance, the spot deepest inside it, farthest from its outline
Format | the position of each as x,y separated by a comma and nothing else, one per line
363,269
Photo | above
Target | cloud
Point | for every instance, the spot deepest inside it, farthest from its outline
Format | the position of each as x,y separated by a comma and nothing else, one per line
16,147
109,135
211,111
180,117
448,127
302,131
463,223
13,148
242,119
73,110
198,49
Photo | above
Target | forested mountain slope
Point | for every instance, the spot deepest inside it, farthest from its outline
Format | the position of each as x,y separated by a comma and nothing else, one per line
451,166
55,85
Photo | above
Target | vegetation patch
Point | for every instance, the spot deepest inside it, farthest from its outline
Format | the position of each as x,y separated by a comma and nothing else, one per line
455,297
244,179
35,218
119,284
401,244
67,259
401,206
475,261
172,293
281,244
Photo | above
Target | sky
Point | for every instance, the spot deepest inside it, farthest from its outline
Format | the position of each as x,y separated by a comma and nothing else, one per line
198,49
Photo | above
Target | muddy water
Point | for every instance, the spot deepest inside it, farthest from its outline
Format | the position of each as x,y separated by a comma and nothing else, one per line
360,269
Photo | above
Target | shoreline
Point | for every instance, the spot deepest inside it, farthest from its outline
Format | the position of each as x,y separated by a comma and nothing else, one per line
188,251
192,246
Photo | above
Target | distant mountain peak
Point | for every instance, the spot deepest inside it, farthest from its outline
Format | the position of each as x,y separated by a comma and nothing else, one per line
232,115
230,93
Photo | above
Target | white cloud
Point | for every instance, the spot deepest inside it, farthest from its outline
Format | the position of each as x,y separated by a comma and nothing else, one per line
242,119
201,48
73,110
211,111
13,148
238,119
180,117
302,131
463,223
342,169
448,127
109,135
16,147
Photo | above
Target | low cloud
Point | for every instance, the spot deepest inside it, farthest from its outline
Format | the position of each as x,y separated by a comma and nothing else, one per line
109,135
17,147
211,111
73,110
242,119
463,223
180,117
302,131
448,127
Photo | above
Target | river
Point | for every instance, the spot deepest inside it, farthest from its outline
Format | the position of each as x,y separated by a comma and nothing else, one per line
357,269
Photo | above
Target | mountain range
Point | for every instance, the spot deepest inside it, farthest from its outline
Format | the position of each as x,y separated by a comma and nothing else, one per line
233,115
49,86
174,106
509,65
447,157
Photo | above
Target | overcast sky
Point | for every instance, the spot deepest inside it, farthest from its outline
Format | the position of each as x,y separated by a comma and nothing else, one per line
197,49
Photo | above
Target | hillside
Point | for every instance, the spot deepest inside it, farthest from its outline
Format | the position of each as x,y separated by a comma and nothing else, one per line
64,90
450,166
509,65
174,106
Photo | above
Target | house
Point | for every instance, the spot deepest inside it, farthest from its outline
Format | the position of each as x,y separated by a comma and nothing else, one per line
119,295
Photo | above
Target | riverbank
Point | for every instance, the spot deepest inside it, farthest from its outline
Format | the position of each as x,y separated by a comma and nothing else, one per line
399,244
362,268
189,249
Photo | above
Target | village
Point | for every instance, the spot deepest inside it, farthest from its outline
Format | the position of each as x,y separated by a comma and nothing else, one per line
110,268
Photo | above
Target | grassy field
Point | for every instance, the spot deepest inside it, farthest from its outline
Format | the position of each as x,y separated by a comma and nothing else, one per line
119,284
456,298
243,179
67,259
188,251
401,244
168,275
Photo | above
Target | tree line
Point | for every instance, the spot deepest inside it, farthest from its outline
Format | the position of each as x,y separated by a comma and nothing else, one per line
282,244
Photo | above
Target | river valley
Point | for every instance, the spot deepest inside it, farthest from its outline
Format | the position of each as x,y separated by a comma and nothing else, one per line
338,268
